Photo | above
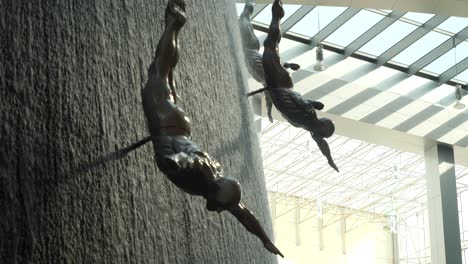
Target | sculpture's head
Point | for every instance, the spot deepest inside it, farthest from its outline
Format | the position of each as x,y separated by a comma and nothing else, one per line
327,127
224,193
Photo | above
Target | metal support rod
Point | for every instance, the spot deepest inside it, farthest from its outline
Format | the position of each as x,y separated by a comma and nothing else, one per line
258,91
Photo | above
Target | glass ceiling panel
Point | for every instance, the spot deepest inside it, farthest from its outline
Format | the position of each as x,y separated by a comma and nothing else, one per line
355,27
239,8
454,24
308,26
420,48
265,16
418,17
448,59
463,76
388,38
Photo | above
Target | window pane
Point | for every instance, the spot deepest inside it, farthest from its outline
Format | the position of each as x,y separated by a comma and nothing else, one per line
265,16
388,38
420,48
463,76
454,24
239,8
355,27
448,59
308,25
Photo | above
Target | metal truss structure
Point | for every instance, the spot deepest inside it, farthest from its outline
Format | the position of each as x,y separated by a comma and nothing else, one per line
376,184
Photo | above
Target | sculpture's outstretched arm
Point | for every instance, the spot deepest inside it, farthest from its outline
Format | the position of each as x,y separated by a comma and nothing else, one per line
325,149
250,222
269,105
166,56
306,104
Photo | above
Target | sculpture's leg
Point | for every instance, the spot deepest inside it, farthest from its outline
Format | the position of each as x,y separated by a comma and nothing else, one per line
249,39
166,56
276,76
269,105
274,31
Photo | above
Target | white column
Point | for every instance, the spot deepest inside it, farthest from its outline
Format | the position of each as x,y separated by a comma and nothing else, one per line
442,205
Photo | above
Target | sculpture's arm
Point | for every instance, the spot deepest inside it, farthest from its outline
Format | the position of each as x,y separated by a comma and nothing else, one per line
251,223
269,105
325,149
249,39
306,104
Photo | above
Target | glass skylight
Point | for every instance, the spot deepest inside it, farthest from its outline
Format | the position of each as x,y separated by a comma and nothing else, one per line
454,24
308,25
448,59
239,8
355,27
463,76
388,38
420,48
418,17
265,16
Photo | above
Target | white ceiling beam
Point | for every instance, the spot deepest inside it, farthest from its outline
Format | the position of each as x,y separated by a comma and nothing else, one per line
379,135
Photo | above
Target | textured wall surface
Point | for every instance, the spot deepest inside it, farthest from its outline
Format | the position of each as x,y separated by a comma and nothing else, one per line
70,80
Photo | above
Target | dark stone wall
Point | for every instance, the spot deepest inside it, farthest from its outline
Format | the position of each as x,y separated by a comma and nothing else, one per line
70,78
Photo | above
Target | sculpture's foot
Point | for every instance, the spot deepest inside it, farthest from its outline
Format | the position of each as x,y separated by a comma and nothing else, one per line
277,9
176,12
249,7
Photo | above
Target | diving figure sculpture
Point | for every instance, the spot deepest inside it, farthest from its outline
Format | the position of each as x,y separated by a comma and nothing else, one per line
252,56
183,162
298,111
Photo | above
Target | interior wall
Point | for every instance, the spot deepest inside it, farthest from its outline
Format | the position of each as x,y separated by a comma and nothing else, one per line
70,78
362,239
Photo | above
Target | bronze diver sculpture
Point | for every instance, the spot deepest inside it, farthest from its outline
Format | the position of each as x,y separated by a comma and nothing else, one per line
252,56
298,111
183,162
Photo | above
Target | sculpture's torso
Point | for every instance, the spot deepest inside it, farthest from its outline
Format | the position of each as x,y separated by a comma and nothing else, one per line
293,108
170,128
164,117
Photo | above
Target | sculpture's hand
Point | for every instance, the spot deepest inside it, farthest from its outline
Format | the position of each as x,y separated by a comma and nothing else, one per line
333,165
317,105
292,66
325,149
269,106
272,248
250,222
270,117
